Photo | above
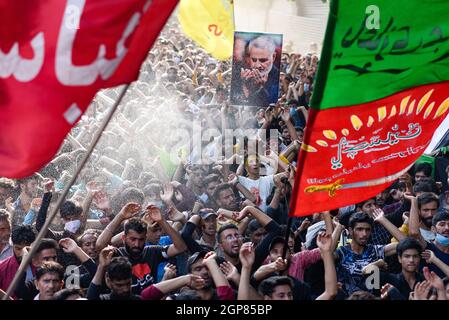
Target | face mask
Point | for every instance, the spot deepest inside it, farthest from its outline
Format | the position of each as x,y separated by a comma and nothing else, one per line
306,87
444,241
72,226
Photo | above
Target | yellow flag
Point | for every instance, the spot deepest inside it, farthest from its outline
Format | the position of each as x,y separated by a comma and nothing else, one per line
210,23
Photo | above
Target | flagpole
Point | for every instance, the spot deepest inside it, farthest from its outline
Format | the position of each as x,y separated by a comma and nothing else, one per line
287,232
26,261
287,235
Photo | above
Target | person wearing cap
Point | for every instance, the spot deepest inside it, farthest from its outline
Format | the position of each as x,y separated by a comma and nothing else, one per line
207,220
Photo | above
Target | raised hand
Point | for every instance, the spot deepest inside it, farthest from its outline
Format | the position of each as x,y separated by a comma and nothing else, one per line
167,193
434,280
211,255
384,291
196,282
324,242
169,271
9,204
68,245
153,214
233,179
229,270
280,264
174,214
106,256
101,200
129,210
429,256
410,197
422,290
378,214
36,204
247,254
285,115
49,185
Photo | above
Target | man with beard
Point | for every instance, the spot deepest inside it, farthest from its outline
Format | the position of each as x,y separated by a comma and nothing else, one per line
144,259
117,273
7,187
426,205
21,237
258,81
5,234
439,246
409,255
225,198
353,259
20,207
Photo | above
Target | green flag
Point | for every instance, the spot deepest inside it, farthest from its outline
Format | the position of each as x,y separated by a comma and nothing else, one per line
380,93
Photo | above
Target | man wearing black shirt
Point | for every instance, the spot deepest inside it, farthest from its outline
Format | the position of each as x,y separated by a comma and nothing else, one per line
144,259
409,255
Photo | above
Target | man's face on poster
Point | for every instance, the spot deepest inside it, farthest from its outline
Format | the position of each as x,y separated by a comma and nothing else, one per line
261,59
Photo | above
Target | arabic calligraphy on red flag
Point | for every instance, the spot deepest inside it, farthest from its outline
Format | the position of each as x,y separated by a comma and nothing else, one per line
54,56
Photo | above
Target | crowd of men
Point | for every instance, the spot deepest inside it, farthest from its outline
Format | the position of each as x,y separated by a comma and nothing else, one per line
147,220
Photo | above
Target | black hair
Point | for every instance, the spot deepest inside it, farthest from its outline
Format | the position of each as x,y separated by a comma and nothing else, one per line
210,178
69,208
422,186
23,235
65,293
219,189
360,204
131,193
50,267
253,225
152,188
362,295
137,225
223,228
267,286
119,269
360,217
4,216
427,197
93,232
46,244
186,295
195,257
408,243
424,167
442,215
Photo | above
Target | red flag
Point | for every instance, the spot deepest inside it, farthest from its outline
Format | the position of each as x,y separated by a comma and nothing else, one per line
51,67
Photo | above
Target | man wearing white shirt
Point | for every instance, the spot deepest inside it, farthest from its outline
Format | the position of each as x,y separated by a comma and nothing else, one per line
260,187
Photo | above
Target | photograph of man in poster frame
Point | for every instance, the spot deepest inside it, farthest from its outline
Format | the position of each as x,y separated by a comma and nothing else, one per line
255,68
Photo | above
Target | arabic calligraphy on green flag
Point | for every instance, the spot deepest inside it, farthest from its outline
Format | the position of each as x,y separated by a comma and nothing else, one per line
381,91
